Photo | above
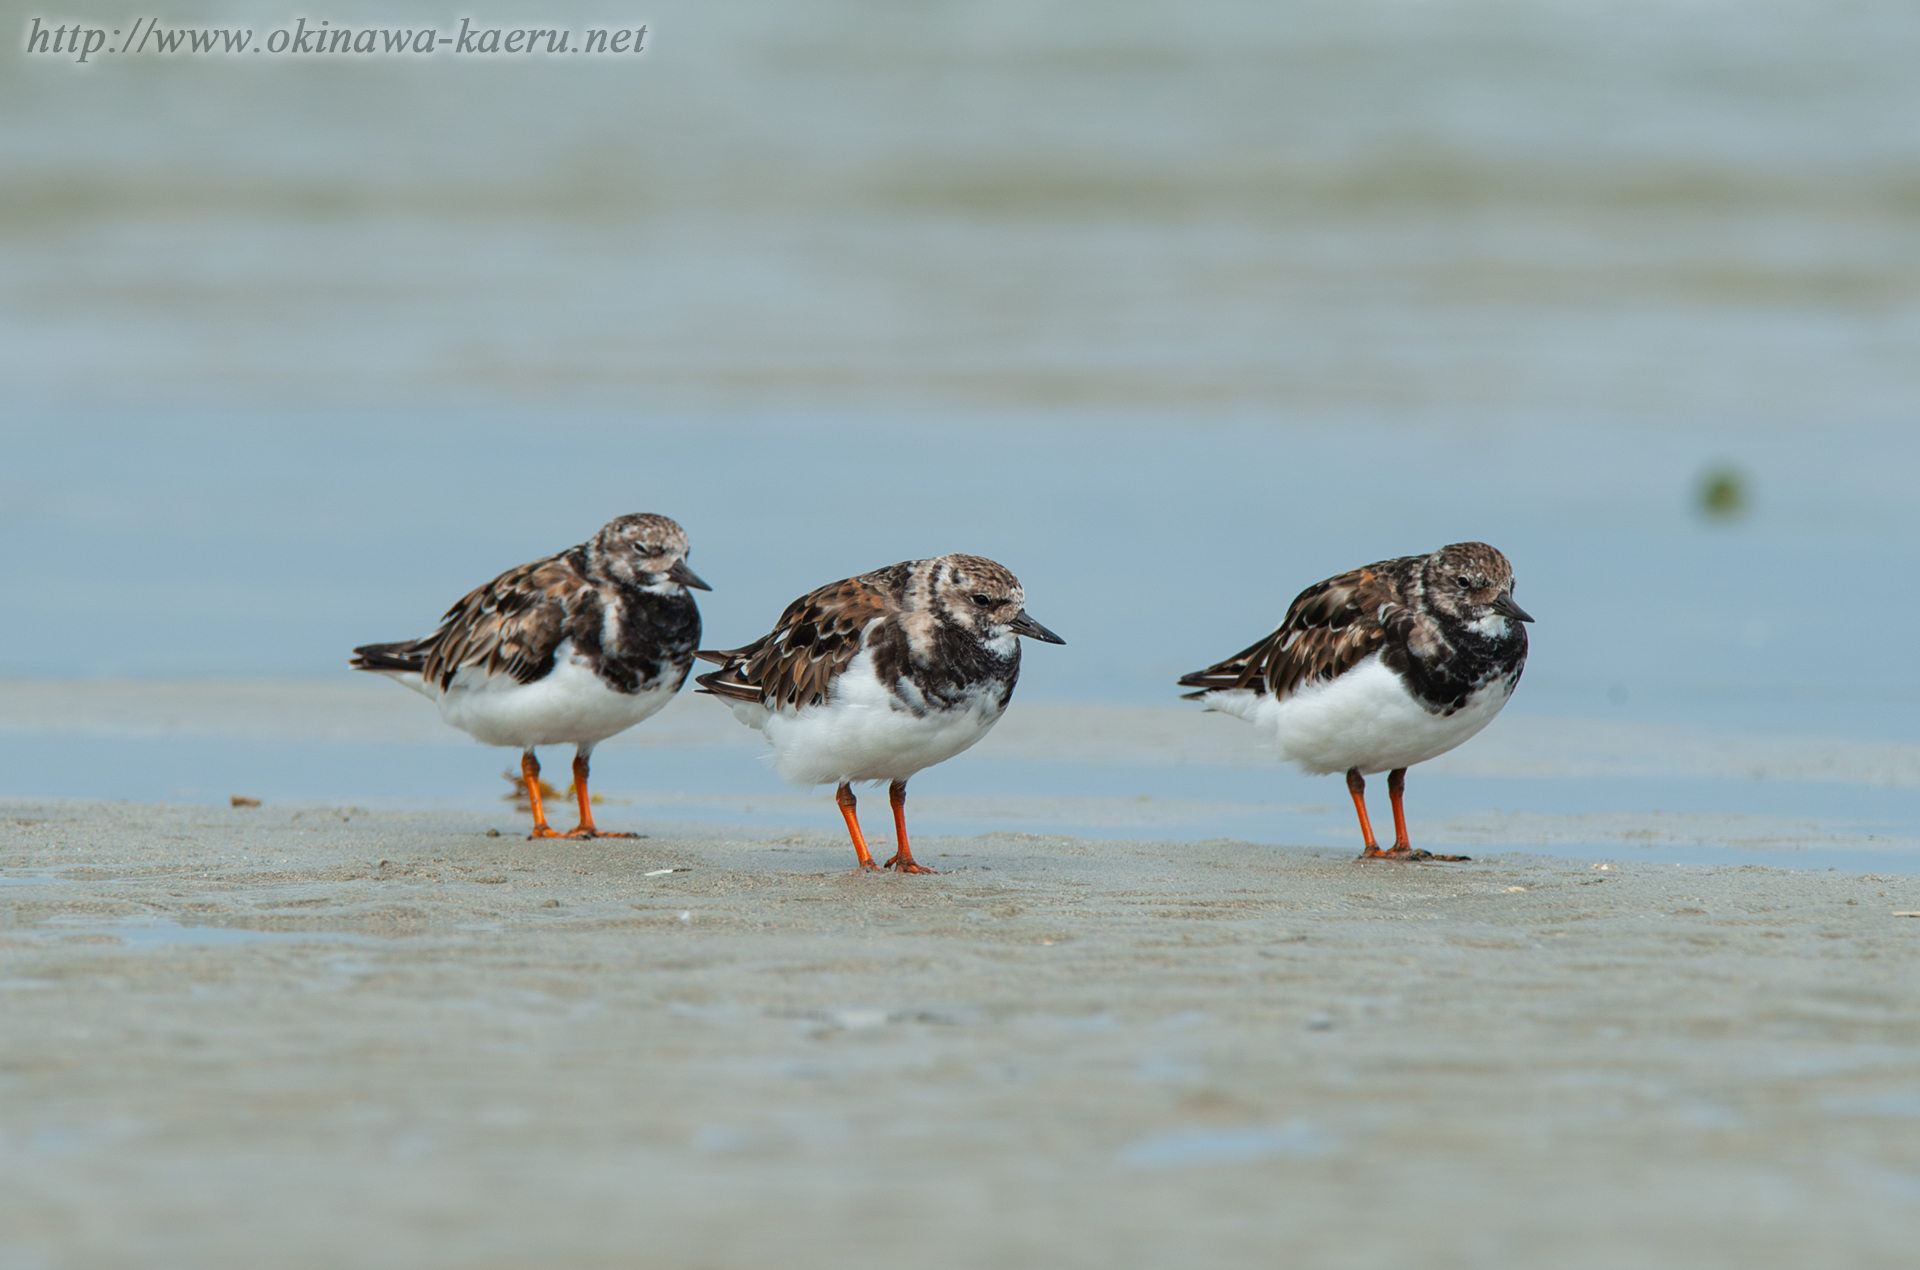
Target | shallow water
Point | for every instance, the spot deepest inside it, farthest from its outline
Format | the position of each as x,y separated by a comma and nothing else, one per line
182,547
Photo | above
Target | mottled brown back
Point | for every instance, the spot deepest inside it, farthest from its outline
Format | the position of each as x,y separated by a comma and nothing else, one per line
512,624
1330,627
812,643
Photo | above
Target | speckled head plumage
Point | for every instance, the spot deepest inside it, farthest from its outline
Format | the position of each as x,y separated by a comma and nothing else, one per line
1469,582
643,549
972,594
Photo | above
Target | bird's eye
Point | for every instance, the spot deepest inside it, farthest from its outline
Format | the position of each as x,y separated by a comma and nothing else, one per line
1466,584
982,601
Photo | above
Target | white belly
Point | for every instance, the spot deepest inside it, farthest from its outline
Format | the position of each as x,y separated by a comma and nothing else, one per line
859,734
1366,718
571,706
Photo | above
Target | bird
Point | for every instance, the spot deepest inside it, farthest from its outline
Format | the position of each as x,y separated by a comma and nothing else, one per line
572,648
1380,668
877,677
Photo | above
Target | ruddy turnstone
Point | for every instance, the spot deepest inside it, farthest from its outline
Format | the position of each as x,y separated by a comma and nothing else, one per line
573,648
879,676
1381,668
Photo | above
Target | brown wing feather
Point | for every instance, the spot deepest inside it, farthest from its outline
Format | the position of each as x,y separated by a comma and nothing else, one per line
512,624
814,640
1330,627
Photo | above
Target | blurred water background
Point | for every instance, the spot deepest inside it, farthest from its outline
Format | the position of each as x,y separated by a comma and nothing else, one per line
1173,308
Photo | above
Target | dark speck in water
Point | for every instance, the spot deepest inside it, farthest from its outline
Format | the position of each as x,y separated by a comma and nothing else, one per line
1723,494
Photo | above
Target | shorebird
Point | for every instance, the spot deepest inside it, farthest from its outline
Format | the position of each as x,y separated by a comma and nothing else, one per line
876,677
1381,668
569,649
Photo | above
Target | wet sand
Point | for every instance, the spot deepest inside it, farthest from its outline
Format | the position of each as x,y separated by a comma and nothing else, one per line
321,1037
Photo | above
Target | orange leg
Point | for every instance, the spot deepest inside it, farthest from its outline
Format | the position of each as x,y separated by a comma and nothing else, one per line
903,858
530,773
585,828
862,856
1357,786
1402,848
1396,788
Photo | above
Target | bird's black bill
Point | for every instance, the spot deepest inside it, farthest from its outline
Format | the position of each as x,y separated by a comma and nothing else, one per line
1507,608
686,577
1024,625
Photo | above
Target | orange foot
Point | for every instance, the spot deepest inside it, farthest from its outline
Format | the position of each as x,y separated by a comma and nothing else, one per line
541,831
907,866
1410,853
596,833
